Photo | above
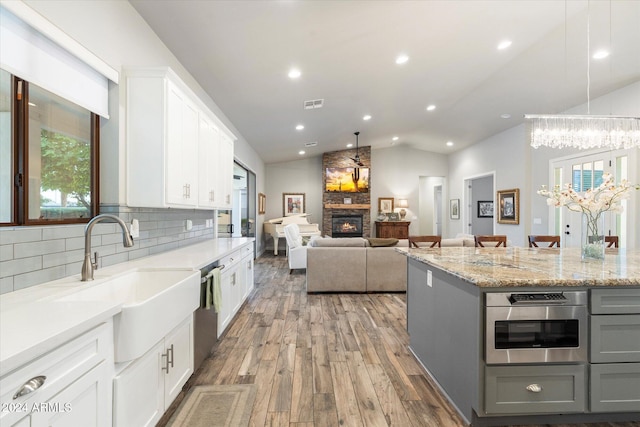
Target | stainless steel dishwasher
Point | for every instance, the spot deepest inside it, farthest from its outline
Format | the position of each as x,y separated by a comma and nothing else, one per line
205,324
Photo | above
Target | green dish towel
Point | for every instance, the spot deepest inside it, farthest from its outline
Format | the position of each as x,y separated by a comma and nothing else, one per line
212,295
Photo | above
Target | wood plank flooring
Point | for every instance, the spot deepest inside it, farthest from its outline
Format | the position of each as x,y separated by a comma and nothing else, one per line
325,359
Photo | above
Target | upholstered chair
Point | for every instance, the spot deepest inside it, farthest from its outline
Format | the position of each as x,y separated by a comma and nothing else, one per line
296,251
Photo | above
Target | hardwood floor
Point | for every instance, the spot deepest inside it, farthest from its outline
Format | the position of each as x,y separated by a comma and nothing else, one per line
324,359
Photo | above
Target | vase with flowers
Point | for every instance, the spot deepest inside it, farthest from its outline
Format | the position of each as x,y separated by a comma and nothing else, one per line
594,204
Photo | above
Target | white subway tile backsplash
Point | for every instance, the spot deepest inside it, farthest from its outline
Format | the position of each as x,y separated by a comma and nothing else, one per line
23,250
34,255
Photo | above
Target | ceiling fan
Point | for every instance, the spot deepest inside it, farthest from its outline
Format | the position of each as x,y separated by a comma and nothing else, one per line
356,159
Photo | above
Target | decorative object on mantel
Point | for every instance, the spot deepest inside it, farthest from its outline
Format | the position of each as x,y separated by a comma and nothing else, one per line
454,208
593,204
403,203
293,204
393,216
584,132
347,200
509,206
262,204
385,204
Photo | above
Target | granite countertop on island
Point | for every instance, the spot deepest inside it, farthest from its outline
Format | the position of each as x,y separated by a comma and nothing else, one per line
515,266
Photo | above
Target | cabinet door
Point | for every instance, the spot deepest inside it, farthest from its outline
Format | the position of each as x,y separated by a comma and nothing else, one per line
248,287
83,403
138,392
225,175
182,138
208,145
179,349
615,387
230,295
615,338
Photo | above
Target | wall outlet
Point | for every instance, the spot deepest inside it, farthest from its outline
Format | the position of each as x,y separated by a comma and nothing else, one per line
188,225
134,229
208,223
537,221
429,278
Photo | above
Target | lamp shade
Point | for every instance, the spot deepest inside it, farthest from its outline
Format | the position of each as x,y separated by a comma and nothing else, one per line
403,203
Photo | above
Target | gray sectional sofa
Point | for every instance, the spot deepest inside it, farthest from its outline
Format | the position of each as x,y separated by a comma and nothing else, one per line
353,265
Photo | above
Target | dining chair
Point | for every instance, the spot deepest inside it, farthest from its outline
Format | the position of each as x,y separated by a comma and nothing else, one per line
434,240
612,241
554,241
498,239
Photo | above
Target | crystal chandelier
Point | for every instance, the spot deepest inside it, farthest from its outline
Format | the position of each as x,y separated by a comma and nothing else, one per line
583,132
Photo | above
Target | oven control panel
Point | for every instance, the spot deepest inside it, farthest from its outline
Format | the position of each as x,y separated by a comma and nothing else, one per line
538,298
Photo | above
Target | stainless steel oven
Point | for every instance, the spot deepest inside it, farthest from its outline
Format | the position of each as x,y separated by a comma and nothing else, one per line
536,327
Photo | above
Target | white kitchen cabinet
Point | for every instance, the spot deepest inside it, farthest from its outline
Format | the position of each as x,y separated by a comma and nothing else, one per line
76,389
247,262
236,284
175,145
147,386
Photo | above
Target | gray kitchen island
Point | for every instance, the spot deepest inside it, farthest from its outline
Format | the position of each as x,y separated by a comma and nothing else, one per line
521,336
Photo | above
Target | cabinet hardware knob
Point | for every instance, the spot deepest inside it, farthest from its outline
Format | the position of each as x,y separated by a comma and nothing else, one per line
30,386
534,388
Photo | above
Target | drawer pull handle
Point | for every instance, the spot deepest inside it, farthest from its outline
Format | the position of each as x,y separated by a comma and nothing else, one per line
534,388
30,386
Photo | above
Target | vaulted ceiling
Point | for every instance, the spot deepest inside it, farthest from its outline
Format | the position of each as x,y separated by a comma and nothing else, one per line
241,52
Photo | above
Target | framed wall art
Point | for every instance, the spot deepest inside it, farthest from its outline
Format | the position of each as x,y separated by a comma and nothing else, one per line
293,204
485,208
509,206
454,208
385,204
262,204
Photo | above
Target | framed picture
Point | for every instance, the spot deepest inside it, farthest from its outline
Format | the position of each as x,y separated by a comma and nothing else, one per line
385,204
292,204
262,204
509,206
454,208
485,208
393,216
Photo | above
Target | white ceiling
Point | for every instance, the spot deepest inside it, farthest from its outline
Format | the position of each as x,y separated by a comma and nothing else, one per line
241,51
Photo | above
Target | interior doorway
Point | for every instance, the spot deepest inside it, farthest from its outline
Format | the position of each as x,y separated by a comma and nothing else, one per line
479,204
430,205
243,212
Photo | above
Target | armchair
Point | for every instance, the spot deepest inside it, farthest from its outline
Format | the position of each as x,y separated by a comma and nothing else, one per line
296,252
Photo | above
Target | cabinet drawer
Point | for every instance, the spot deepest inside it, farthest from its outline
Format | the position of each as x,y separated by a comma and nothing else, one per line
231,260
615,301
615,338
615,387
561,388
61,367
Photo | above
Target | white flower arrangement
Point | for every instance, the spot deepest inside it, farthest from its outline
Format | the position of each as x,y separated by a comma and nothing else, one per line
607,197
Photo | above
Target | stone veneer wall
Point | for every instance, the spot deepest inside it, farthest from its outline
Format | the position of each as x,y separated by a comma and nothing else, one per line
342,159
33,255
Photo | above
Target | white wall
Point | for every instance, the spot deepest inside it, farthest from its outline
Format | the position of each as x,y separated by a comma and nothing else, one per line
118,35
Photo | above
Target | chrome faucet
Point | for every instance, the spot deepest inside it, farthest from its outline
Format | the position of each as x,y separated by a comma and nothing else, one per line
88,266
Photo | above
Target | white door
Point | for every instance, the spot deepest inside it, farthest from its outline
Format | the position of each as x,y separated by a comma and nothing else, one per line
583,173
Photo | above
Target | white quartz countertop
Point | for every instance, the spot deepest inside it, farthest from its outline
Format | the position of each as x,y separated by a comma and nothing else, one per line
32,322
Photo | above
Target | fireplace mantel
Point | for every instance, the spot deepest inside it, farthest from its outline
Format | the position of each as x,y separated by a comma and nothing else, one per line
343,206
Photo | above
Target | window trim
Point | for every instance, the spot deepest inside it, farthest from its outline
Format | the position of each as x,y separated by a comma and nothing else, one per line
20,138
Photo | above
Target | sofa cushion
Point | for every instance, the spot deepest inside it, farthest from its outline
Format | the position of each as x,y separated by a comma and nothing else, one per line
378,241
386,270
337,269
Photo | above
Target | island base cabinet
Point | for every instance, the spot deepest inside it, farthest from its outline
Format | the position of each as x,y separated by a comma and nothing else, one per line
535,389
615,387
145,388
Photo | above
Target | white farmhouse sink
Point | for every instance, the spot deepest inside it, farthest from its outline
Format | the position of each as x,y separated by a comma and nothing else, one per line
154,302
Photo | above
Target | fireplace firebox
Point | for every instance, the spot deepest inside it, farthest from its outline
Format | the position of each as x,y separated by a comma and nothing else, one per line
346,226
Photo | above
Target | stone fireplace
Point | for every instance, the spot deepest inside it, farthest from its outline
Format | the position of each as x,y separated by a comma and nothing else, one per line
346,226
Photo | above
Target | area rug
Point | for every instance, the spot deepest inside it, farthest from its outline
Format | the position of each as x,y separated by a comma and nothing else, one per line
215,405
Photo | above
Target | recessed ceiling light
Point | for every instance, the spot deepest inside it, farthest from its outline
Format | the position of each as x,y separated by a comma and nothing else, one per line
299,127
402,59
294,73
367,117
505,115
395,138
504,44
449,143
431,107
601,54
301,152
349,145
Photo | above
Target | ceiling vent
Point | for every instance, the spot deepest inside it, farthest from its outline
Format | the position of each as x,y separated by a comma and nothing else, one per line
313,104
310,144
